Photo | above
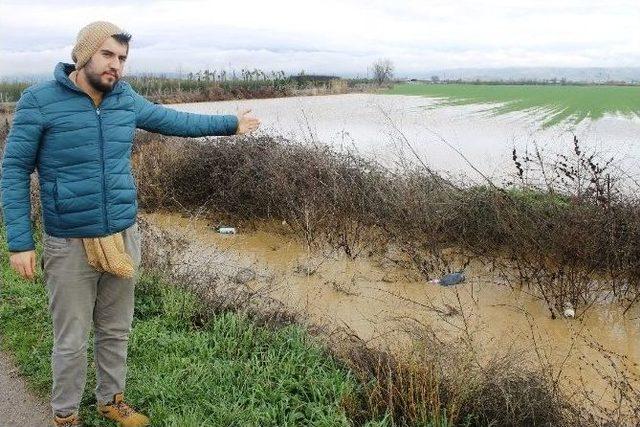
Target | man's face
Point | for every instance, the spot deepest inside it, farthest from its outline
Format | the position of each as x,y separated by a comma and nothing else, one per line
106,66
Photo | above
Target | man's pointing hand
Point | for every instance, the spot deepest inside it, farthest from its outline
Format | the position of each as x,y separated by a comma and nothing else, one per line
246,124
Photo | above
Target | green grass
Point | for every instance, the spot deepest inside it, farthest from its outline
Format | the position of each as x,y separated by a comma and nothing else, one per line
556,103
225,372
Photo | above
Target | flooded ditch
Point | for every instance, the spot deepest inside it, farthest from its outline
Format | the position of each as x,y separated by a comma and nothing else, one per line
378,300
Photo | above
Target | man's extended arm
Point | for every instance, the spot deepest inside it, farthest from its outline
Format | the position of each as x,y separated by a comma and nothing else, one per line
18,163
167,121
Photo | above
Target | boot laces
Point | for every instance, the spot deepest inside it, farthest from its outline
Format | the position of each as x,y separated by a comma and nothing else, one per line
123,409
71,422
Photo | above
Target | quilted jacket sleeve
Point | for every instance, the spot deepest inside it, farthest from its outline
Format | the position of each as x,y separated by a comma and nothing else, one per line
18,162
167,121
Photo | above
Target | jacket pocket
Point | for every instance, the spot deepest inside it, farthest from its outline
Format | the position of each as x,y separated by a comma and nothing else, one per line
63,204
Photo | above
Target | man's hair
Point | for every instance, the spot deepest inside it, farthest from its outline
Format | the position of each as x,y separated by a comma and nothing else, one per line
123,38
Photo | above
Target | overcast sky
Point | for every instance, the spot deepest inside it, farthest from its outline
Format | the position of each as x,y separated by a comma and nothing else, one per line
337,37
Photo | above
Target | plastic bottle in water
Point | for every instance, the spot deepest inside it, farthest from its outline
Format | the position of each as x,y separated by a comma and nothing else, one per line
226,230
568,311
449,279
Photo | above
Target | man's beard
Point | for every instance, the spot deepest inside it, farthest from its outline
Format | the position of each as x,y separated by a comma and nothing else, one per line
95,80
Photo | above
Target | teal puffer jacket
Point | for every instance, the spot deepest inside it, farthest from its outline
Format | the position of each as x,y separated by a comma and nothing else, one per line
83,156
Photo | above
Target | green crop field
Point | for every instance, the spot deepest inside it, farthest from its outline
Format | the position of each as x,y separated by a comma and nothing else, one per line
555,103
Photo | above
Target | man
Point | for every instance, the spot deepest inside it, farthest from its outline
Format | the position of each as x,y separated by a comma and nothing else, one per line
77,130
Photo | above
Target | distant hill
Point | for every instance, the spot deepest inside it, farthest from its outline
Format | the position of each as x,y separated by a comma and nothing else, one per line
586,75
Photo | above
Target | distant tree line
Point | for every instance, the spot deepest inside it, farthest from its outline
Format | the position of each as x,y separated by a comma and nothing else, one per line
215,85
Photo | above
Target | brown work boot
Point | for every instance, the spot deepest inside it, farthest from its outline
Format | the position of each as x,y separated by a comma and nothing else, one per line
122,413
72,420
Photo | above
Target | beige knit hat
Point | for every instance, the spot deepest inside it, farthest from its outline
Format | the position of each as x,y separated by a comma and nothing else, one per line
89,40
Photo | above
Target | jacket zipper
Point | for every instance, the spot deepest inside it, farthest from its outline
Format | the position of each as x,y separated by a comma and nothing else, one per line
104,184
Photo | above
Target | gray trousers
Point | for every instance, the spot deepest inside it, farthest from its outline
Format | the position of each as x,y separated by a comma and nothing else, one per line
78,296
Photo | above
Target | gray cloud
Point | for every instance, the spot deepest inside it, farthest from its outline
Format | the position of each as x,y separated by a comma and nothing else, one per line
341,37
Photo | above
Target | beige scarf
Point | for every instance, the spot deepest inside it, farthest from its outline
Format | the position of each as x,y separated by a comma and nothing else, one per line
107,254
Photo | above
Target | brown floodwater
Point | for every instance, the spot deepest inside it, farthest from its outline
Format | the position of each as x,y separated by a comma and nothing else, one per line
374,298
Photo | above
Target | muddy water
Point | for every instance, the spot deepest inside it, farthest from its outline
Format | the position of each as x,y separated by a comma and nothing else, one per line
375,298
382,125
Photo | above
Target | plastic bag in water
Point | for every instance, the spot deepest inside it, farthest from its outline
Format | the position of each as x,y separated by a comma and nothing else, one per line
449,279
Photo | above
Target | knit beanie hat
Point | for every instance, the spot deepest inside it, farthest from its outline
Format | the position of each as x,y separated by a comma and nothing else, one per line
89,40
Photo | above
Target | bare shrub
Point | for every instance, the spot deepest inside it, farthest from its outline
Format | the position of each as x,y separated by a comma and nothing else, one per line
579,230
441,382
358,206
5,126
321,195
382,71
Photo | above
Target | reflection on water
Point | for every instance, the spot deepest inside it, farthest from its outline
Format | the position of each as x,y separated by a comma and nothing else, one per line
371,297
